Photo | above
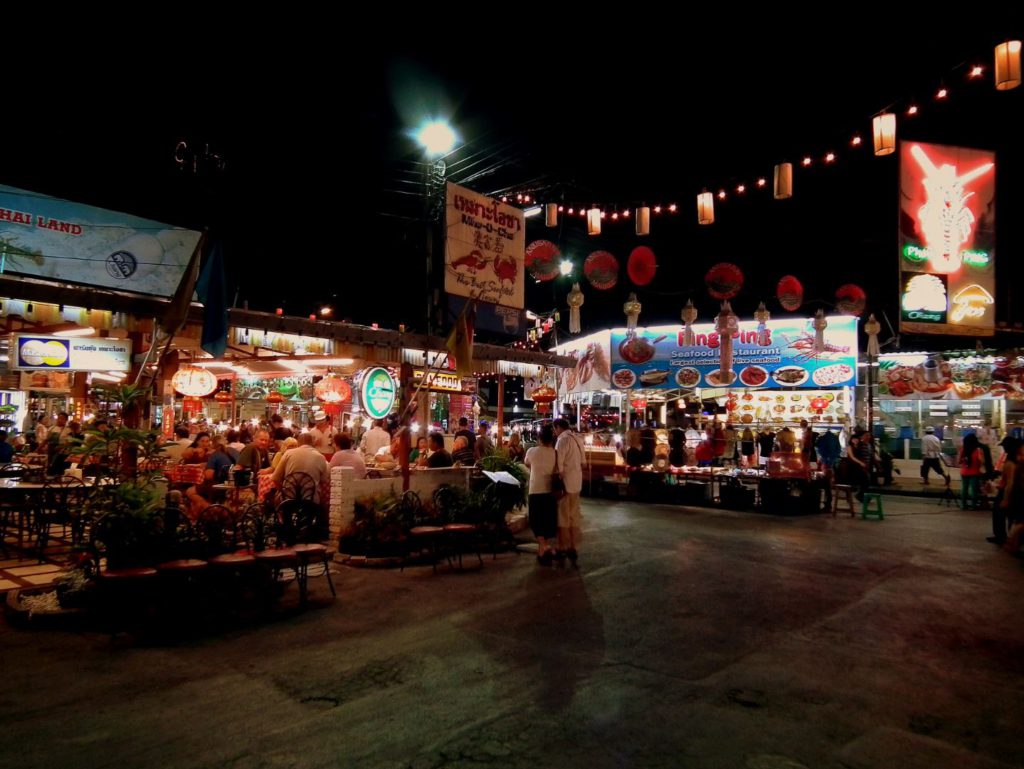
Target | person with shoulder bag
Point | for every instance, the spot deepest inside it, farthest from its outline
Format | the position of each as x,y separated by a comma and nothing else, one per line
543,503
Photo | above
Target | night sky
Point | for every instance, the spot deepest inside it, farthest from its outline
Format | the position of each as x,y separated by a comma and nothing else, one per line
320,198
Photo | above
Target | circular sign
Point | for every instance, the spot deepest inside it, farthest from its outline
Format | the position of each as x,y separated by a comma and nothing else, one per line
122,265
194,381
542,260
377,391
602,270
41,353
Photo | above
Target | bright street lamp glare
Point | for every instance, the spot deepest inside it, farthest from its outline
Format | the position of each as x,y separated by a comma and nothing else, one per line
566,267
437,136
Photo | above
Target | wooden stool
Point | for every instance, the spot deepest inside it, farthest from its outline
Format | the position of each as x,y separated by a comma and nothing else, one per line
867,510
847,491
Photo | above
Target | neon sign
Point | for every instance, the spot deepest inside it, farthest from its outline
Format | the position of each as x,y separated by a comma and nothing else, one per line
377,390
970,302
925,299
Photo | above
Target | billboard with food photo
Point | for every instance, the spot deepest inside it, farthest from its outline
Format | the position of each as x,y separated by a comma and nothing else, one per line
592,370
783,357
923,376
947,240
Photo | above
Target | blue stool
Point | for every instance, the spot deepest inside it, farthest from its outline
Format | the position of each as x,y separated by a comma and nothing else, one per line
867,510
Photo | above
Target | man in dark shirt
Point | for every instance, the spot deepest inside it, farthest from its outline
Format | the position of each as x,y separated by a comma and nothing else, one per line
465,432
438,457
6,449
254,456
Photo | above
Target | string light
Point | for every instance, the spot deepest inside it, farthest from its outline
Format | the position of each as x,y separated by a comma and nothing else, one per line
830,157
977,71
806,162
657,209
912,109
672,208
741,189
762,182
855,141
942,93
721,194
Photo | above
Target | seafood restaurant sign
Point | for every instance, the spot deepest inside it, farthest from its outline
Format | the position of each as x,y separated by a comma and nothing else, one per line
485,249
784,357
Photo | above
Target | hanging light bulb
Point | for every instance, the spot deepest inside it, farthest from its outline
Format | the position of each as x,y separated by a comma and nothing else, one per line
643,220
783,181
551,214
594,221
1007,65
705,208
883,128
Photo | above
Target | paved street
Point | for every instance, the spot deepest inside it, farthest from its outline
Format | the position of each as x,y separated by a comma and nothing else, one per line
688,638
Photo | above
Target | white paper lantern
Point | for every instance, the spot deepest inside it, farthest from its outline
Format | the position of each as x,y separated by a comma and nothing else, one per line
705,208
643,220
883,128
1008,65
594,221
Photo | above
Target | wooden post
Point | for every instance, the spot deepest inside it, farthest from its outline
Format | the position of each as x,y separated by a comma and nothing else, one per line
501,409
406,387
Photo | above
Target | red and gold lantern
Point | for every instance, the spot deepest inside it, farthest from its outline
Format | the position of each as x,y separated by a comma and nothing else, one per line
542,397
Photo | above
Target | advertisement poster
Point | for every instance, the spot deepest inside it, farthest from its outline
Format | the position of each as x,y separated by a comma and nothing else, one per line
656,358
47,381
52,238
947,240
919,376
485,249
592,370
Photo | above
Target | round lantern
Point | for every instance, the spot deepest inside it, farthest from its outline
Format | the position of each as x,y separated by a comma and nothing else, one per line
850,299
790,292
333,389
602,270
194,381
542,398
543,260
641,266
275,397
724,280
223,396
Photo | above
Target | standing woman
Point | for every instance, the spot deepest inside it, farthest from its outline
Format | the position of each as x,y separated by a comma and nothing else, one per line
1001,504
543,506
971,469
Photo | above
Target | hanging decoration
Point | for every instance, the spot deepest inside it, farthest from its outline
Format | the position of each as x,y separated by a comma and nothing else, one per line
726,324
790,293
724,280
632,309
762,316
542,398
689,316
194,381
594,221
872,327
543,259
850,299
223,396
191,405
705,208
575,302
641,266
1007,65
783,181
602,270
332,389
551,214
643,220
883,130
275,397
820,324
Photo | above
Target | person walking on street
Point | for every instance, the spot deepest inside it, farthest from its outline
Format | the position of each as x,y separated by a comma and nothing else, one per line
543,506
931,456
569,451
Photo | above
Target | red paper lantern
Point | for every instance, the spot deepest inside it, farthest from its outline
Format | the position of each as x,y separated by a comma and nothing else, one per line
542,397
275,397
790,292
543,260
602,270
639,404
850,299
641,266
223,396
192,405
724,280
333,389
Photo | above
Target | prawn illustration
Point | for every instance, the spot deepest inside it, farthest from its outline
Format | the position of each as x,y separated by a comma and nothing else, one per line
804,345
474,260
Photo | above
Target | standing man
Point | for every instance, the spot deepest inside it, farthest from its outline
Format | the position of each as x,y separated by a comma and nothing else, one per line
375,439
323,434
931,456
569,451
483,445
465,432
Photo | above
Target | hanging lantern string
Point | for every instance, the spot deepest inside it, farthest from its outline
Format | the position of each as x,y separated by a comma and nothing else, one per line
971,71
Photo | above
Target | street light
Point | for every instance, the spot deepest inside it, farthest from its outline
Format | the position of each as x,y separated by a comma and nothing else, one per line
566,267
437,137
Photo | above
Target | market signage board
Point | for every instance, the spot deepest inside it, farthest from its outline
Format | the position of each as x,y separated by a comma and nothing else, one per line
55,353
56,239
656,358
923,376
592,370
947,240
377,392
438,381
485,249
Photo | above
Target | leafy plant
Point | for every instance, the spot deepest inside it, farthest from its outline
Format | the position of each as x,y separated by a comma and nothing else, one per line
382,524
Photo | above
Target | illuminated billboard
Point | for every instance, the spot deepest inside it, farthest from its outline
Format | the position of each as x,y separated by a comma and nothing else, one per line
947,240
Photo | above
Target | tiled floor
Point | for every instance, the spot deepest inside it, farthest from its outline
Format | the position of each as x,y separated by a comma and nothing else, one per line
21,568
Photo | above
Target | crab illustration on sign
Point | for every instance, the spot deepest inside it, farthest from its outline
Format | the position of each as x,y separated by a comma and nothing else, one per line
971,301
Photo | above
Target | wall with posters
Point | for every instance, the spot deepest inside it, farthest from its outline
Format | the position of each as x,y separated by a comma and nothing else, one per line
656,358
947,240
485,248
52,238
924,376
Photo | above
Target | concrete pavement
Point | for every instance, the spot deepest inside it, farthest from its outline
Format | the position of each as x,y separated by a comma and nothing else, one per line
688,638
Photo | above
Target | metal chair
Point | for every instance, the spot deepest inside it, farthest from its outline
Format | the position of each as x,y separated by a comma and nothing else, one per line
298,527
298,486
61,504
